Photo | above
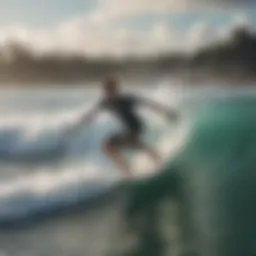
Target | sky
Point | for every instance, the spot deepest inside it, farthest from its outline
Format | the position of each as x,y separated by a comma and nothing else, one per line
121,27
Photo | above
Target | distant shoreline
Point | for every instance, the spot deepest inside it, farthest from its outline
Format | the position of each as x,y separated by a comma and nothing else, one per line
231,62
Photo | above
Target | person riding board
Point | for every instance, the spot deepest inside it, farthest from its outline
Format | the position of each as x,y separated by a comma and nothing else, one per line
124,107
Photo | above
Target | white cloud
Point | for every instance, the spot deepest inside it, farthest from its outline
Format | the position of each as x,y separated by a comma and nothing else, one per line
83,36
117,9
93,35
95,39
111,10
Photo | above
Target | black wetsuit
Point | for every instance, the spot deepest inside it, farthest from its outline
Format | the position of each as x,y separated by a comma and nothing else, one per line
124,107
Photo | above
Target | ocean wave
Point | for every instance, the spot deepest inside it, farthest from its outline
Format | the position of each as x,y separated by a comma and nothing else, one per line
52,170
22,145
44,193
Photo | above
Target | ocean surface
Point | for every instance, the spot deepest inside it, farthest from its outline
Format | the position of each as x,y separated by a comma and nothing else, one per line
59,195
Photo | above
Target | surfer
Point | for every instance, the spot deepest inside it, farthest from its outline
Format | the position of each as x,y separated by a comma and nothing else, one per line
124,107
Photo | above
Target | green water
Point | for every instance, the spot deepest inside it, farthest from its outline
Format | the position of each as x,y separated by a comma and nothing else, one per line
202,202
212,181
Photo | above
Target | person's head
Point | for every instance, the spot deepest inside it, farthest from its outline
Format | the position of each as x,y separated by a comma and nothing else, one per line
110,87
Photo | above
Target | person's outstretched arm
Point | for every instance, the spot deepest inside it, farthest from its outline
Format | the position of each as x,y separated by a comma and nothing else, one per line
170,114
85,119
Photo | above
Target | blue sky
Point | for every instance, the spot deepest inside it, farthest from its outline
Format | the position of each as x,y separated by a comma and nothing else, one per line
42,12
45,13
183,21
125,26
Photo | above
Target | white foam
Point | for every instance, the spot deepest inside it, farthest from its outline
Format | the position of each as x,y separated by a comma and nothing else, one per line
41,127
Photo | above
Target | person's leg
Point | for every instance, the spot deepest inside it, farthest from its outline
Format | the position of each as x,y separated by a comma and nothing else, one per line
112,150
132,140
152,153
